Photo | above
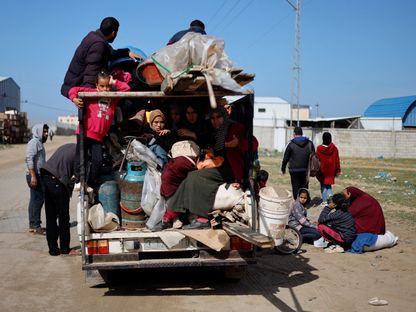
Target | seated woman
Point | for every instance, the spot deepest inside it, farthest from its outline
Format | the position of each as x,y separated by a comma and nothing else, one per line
196,194
337,226
366,211
160,140
193,127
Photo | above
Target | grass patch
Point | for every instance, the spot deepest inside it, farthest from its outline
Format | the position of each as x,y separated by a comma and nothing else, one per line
391,181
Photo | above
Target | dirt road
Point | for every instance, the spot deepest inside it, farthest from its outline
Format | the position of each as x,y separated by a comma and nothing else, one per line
310,281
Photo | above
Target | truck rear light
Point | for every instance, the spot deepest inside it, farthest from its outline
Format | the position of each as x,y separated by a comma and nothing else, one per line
97,247
238,243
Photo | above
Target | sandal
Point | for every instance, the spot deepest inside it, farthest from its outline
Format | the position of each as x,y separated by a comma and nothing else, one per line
38,231
71,252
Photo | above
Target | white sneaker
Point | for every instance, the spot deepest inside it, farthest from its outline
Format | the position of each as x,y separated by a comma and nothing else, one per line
334,249
320,243
77,187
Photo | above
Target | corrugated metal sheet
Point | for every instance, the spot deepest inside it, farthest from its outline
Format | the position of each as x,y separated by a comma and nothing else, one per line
403,107
9,94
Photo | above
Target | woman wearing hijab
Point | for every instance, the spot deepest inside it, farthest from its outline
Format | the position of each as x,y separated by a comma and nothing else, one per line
193,126
160,139
196,193
330,167
366,211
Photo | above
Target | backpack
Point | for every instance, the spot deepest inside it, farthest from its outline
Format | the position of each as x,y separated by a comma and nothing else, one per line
186,148
314,163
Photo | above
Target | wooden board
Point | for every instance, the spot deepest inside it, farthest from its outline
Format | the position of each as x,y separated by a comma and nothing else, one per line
248,234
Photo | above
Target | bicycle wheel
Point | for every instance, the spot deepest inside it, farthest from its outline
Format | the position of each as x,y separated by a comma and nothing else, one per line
292,241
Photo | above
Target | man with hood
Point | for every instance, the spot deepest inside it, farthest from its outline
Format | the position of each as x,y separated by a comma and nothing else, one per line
35,158
330,166
297,155
93,55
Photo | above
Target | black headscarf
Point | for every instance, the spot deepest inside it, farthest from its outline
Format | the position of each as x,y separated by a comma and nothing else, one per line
326,138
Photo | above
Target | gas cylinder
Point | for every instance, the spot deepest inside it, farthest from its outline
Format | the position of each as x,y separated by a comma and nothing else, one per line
131,186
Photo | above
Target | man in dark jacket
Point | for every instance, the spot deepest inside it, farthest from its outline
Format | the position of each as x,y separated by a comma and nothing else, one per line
57,176
297,155
196,26
92,55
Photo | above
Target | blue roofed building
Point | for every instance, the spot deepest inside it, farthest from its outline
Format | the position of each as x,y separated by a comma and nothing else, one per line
400,107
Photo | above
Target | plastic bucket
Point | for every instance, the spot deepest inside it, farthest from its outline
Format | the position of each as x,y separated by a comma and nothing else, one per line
273,213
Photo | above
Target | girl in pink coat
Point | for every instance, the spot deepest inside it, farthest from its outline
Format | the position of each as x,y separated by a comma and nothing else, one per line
99,115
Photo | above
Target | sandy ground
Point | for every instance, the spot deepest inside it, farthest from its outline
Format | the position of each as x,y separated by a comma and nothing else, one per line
310,281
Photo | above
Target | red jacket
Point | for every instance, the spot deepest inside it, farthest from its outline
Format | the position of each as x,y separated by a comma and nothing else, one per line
99,112
330,165
174,172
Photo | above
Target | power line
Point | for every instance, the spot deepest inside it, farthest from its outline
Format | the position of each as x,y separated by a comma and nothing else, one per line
45,106
216,12
226,14
237,15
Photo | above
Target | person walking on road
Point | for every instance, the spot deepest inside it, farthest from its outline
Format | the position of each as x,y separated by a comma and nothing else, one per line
35,158
93,55
297,155
58,180
330,166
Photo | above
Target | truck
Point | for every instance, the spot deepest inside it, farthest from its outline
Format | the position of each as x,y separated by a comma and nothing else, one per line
228,246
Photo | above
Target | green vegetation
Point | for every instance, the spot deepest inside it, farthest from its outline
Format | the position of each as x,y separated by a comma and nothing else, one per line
390,181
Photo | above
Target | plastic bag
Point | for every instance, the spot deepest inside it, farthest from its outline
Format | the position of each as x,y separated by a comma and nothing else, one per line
227,197
101,221
157,214
201,50
151,190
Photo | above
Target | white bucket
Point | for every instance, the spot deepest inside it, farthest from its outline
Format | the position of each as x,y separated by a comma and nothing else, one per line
273,213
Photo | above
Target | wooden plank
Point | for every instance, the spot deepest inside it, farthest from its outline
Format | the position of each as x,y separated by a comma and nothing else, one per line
248,234
242,79
235,71
196,85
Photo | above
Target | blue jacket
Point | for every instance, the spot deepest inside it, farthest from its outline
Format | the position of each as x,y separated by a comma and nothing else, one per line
176,37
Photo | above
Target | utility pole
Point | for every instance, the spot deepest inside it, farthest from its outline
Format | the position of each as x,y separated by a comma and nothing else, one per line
296,60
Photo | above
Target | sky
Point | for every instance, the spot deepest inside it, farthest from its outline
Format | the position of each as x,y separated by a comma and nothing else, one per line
352,52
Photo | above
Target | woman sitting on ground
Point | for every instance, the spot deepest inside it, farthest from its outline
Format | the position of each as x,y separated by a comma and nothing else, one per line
366,211
196,194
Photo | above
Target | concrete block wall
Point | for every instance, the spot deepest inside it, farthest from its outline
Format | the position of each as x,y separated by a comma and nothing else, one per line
353,142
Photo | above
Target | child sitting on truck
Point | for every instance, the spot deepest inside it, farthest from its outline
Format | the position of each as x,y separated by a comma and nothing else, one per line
99,115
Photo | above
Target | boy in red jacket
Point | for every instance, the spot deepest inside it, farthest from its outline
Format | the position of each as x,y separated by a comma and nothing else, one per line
99,115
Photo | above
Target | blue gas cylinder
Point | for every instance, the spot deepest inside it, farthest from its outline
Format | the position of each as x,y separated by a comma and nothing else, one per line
136,171
109,196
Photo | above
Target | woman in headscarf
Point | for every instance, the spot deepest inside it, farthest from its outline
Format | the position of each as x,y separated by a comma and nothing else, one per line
160,139
366,211
330,167
196,194
193,126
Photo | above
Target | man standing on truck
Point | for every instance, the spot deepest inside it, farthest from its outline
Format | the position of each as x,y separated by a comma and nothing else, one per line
93,55
58,180
35,158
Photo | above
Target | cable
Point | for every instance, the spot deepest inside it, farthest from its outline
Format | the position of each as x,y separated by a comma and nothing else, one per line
226,14
216,13
237,15
45,106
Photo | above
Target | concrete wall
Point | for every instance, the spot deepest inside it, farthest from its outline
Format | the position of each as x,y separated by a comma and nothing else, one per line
350,142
